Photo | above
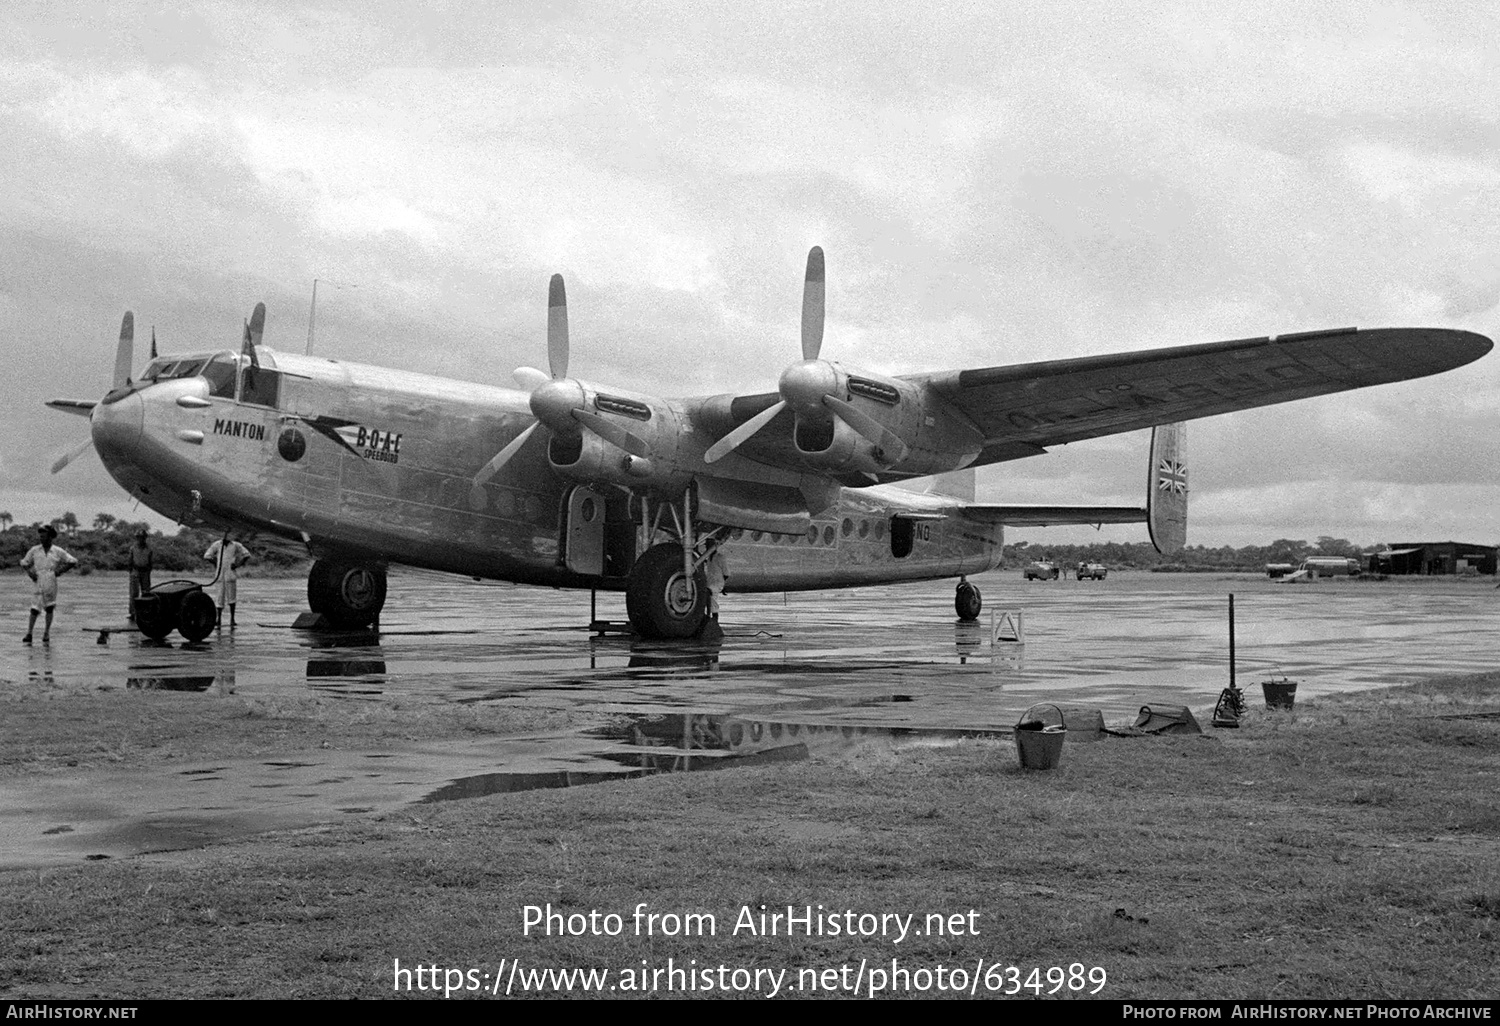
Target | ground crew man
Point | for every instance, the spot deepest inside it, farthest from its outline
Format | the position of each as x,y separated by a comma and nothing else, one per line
44,564
228,555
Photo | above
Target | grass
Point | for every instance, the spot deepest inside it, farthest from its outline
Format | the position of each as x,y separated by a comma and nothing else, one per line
1350,849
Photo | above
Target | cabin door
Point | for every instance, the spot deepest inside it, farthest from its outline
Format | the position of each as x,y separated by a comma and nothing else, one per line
583,550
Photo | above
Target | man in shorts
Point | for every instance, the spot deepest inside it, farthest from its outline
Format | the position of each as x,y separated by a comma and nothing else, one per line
228,555
44,564
141,558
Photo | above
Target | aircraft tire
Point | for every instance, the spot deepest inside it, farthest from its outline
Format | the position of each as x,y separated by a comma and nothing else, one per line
967,602
197,616
348,595
659,599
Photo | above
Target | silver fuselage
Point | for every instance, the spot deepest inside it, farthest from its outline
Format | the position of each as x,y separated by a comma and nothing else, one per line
380,464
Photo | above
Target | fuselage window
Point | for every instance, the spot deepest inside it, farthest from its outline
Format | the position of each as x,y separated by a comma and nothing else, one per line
848,527
864,529
828,535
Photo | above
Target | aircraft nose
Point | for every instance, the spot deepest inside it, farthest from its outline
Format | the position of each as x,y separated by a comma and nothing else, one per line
117,426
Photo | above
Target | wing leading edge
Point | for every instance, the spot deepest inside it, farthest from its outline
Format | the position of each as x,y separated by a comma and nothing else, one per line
1024,407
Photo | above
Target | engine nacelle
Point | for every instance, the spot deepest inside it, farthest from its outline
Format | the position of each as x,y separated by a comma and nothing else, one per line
584,456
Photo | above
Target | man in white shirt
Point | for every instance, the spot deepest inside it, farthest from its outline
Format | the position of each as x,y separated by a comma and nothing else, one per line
44,564
228,556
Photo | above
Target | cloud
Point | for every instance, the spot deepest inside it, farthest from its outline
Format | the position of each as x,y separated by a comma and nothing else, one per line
992,185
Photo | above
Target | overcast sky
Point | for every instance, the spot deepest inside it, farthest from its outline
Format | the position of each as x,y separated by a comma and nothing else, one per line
992,184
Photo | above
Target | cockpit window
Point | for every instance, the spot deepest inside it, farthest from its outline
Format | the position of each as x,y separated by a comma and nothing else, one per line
220,375
171,370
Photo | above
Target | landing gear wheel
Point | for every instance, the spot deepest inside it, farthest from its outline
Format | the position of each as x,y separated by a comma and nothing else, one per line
966,601
348,595
197,617
662,601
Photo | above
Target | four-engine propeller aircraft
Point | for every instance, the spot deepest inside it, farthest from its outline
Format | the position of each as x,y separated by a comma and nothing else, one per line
572,485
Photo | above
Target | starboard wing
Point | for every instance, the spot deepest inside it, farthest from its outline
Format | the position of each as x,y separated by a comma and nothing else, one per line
1025,407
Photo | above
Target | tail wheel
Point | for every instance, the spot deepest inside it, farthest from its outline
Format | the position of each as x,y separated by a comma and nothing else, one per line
197,616
967,602
662,601
348,595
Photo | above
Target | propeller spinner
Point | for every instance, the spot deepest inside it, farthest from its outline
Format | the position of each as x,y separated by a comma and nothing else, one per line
810,387
557,401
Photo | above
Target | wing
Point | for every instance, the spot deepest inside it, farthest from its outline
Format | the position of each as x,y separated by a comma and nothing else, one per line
1023,408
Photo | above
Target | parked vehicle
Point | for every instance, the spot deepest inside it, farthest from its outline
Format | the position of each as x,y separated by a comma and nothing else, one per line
1041,570
1092,571
1331,566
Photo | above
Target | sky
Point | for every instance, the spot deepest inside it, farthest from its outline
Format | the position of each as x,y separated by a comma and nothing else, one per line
992,184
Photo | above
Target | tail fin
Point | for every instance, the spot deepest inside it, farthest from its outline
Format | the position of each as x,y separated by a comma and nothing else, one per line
1167,488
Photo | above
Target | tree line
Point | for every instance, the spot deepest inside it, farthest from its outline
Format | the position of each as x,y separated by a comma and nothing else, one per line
106,546
1192,558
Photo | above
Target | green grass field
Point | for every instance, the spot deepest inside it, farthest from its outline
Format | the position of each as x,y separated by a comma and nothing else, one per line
1350,849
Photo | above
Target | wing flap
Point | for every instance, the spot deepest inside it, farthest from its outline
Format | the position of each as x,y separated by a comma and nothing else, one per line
1053,516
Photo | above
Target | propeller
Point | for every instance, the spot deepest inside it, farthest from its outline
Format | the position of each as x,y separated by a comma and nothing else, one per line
70,457
809,387
125,352
124,356
558,401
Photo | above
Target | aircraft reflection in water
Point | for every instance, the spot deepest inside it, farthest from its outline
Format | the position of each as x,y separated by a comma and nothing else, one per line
674,743
573,485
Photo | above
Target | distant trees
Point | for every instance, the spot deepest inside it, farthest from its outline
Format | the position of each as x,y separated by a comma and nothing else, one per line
103,521
6,520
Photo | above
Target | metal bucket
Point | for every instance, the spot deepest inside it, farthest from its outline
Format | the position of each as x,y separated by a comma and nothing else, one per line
1280,694
1039,744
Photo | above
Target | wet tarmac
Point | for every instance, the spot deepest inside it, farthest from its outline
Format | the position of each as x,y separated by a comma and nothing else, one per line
795,672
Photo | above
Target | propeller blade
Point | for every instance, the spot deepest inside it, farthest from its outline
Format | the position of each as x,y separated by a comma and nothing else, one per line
257,324
70,457
878,435
812,305
732,441
613,433
557,328
81,407
153,341
125,352
529,377
502,457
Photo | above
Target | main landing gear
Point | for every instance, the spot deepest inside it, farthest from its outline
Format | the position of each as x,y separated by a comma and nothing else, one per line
348,595
667,594
662,599
966,601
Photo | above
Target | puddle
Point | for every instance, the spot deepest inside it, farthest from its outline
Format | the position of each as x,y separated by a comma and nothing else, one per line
60,820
